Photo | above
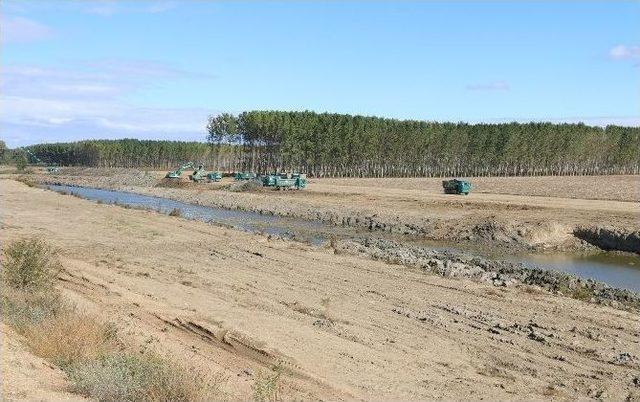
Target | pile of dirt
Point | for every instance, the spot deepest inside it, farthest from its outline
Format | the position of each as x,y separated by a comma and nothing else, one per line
174,183
499,273
243,186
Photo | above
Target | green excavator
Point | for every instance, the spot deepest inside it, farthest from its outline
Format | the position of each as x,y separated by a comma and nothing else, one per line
37,161
176,174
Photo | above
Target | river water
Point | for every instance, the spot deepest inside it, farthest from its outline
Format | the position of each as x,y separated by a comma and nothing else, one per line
618,270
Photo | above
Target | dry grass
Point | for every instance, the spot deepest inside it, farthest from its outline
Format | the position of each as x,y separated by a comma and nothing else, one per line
86,349
71,338
129,377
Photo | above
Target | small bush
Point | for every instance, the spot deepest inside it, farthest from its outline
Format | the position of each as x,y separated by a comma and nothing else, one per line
30,264
266,386
129,377
25,309
581,293
175,212
21,163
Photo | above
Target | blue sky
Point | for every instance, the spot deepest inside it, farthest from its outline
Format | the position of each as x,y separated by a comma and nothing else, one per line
156,69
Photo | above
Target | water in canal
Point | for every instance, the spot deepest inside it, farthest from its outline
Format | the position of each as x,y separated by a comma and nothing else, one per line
618,270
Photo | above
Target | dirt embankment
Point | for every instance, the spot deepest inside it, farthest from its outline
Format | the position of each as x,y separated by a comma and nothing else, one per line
341,326
26,377
492,215
498,273
608,238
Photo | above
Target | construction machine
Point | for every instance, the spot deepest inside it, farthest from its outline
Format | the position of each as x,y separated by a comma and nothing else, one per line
198,175
214,176
176,174
285,181
456,186
33,158
244,176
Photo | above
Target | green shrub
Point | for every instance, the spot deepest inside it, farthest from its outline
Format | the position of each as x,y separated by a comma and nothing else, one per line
21,162
30,264
23,310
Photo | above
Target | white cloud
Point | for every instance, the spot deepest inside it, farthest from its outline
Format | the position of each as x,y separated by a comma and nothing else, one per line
108,8
105,9
161,7
624,52
22,30
490,86
70,120
89,101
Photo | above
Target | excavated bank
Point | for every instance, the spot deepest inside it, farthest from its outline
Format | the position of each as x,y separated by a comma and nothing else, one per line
608,238
498,273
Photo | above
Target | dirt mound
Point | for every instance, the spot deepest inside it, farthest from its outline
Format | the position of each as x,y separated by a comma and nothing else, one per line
174,183
243,186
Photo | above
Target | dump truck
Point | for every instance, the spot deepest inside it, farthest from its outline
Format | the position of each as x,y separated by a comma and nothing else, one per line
244,176
456,186
214,176
285,181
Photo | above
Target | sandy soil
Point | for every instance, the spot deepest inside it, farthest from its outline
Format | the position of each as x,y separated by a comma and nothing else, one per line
342,327
26,377
528,212
618,188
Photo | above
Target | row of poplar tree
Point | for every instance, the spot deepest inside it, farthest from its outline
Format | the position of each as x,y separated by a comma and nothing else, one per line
338,145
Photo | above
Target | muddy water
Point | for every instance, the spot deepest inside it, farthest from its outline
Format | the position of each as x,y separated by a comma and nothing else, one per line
618,270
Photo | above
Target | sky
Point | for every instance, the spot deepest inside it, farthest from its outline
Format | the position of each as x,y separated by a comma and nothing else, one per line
72,70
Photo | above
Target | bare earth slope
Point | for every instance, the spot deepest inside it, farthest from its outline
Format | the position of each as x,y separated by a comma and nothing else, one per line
26,377
341,327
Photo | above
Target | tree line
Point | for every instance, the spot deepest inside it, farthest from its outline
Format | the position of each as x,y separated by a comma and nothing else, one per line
338,145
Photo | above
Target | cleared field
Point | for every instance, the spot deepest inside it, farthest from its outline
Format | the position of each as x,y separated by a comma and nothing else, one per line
618,188
340,326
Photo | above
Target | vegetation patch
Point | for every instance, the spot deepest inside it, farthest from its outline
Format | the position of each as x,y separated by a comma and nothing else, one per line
88,351
267,385
130,377
30,264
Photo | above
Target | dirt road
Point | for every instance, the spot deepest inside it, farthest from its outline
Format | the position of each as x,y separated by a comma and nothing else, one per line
528,212
341,327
